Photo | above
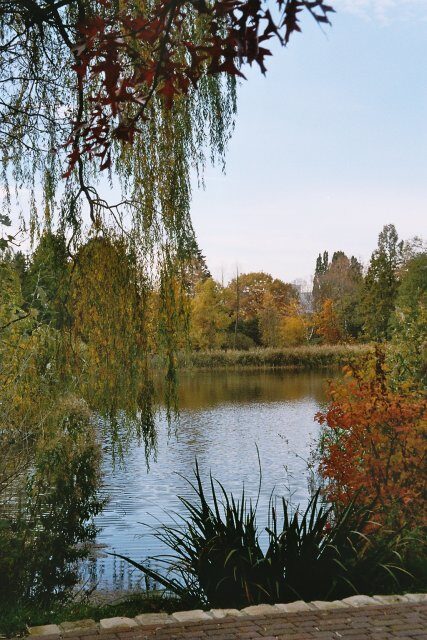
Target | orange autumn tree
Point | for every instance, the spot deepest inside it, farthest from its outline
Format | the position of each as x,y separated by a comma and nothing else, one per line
373,444
328,324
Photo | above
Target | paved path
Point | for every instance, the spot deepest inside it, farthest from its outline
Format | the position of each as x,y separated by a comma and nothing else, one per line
403,621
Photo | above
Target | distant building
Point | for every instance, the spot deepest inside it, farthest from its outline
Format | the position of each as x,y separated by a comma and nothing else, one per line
305,295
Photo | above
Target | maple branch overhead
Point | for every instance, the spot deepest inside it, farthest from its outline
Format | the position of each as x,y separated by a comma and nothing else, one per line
130,58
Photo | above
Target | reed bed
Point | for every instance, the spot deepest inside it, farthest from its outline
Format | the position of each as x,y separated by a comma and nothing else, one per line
304,357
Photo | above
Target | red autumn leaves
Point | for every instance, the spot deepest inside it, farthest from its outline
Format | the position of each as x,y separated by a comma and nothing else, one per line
374,446
124,58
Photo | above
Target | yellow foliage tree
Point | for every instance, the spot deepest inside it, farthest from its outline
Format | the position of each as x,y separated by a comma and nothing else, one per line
110,310
270,318
293,329
209,319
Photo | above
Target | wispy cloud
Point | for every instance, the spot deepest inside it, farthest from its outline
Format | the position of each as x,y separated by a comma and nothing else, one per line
385,10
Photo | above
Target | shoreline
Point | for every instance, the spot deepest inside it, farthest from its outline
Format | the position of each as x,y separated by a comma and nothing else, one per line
291,358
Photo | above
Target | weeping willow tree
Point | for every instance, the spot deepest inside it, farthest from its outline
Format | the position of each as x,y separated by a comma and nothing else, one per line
146,187
108,109
136,214
143,89
51,453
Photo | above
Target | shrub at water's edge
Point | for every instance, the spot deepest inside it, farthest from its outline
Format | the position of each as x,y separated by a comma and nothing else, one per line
322,553
373,442
304,357
50,528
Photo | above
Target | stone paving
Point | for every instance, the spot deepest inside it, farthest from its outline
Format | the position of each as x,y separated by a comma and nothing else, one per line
357,618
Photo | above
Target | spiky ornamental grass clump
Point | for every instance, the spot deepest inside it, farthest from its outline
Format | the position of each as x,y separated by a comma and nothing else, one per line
217,558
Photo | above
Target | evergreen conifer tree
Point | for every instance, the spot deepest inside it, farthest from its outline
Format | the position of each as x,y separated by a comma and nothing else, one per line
381,285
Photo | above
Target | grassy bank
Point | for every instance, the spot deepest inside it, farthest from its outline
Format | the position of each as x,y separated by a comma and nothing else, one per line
305,357
14,621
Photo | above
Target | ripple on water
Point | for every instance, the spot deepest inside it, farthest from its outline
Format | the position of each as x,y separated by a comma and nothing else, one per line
224,417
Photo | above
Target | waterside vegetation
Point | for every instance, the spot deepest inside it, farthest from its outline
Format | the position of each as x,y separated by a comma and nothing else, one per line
363,530
15,620
82,340
302,357
324,552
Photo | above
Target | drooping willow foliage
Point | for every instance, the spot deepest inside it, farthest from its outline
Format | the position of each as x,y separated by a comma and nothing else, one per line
136,216
146,193
149,185
138,87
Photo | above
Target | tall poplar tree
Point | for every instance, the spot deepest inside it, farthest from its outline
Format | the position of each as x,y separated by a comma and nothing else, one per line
339,281
381,285
322,263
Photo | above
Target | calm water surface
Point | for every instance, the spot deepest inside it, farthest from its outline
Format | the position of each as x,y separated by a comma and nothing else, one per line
225,415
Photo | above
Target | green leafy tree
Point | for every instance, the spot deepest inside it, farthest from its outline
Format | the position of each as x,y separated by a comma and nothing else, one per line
270,321
20,264
195,268
11,294
408,354
47,279
322,263
49,473
413,285
113,354
294,326
381,285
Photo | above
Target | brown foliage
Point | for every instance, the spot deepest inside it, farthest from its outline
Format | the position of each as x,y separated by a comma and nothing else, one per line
328,324
374,443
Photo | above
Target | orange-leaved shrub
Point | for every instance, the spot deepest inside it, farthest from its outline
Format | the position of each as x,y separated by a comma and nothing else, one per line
374,444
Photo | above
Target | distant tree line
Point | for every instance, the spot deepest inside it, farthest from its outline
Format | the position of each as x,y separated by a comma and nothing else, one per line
99,291
347,303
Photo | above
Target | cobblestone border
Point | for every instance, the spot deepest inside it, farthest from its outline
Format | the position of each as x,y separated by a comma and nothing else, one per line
154,620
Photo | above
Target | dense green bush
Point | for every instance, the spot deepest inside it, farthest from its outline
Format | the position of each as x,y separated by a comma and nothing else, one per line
218,559
43,537
239,342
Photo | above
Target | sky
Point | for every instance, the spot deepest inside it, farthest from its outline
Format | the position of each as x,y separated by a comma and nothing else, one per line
328,148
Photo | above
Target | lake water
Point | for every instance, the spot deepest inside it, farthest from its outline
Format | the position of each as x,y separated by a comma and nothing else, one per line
225,416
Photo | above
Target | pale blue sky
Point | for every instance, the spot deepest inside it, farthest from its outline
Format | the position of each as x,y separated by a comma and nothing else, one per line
328,148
